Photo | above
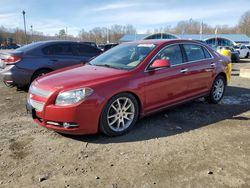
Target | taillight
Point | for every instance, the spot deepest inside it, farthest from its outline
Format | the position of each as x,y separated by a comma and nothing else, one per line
12,60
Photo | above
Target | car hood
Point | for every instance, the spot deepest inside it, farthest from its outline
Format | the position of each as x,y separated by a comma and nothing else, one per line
85,75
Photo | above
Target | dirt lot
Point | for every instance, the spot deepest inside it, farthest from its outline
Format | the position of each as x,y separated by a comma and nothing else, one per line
193,145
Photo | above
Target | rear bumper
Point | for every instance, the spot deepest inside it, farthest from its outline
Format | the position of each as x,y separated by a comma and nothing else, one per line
15,76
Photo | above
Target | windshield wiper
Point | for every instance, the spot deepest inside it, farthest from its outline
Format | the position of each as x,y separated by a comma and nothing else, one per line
104,65
109,66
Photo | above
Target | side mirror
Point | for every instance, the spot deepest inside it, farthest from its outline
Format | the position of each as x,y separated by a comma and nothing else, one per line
160,63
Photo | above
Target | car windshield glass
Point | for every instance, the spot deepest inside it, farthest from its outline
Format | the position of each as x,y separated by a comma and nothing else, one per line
125,56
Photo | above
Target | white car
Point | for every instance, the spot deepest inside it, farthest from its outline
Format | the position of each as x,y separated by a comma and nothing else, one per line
244,52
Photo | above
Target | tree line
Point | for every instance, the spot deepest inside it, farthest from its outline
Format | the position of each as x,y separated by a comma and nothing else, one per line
194,27
113,33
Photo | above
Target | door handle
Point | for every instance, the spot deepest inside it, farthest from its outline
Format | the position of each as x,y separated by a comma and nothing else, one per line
54,60
183,70
212,65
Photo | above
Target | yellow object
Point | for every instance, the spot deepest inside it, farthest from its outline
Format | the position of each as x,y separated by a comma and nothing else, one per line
225,52
229,71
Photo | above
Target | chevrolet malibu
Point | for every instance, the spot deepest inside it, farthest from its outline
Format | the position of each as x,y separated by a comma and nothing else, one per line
128,82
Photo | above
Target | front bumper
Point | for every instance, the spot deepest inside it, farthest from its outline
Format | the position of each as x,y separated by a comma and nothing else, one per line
83,118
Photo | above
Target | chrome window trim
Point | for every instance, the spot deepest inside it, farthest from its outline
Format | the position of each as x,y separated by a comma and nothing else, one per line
184,63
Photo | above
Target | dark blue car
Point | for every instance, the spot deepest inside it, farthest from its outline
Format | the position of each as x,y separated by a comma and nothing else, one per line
21,66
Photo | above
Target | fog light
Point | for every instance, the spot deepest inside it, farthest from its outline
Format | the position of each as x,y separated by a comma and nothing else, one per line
69,125
53,123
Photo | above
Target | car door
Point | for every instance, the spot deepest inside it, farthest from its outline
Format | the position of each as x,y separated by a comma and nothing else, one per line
60,55
200,69
167,85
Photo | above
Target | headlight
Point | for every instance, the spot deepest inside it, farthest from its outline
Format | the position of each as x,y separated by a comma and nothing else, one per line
73,96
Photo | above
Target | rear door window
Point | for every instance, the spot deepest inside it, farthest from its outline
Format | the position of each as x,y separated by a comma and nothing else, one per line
194,52
85,50
58,49
172,53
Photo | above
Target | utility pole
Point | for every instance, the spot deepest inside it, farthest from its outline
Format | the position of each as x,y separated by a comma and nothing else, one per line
107,35
31,29
201,30
24,23
66,32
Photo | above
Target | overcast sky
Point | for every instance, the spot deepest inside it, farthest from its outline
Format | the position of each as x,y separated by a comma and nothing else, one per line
49,16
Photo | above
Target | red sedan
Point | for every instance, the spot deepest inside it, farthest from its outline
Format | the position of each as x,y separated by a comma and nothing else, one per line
125,83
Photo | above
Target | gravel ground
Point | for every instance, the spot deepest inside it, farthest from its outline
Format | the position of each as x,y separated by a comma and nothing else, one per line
192,145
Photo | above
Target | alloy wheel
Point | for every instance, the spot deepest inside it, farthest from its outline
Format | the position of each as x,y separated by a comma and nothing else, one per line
218,89
121,114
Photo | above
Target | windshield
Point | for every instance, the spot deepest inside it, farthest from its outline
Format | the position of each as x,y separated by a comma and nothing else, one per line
125,56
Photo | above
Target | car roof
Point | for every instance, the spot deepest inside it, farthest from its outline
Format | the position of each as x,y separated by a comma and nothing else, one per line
64,41
165,41
39,44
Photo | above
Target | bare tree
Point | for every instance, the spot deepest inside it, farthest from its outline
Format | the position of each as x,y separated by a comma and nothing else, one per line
244,23
191,26
99,34
84,35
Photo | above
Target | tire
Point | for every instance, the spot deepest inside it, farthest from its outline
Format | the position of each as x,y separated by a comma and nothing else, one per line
119,115
234,60
247,56
39,73
217,90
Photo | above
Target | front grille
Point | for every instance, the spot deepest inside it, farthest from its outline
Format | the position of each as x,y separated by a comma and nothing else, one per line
37,105
39,92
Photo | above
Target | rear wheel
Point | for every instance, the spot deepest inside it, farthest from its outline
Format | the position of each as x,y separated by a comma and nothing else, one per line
217,91
39,73
119,115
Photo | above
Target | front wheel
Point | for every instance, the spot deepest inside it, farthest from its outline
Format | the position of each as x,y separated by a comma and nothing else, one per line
217,90
119,115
